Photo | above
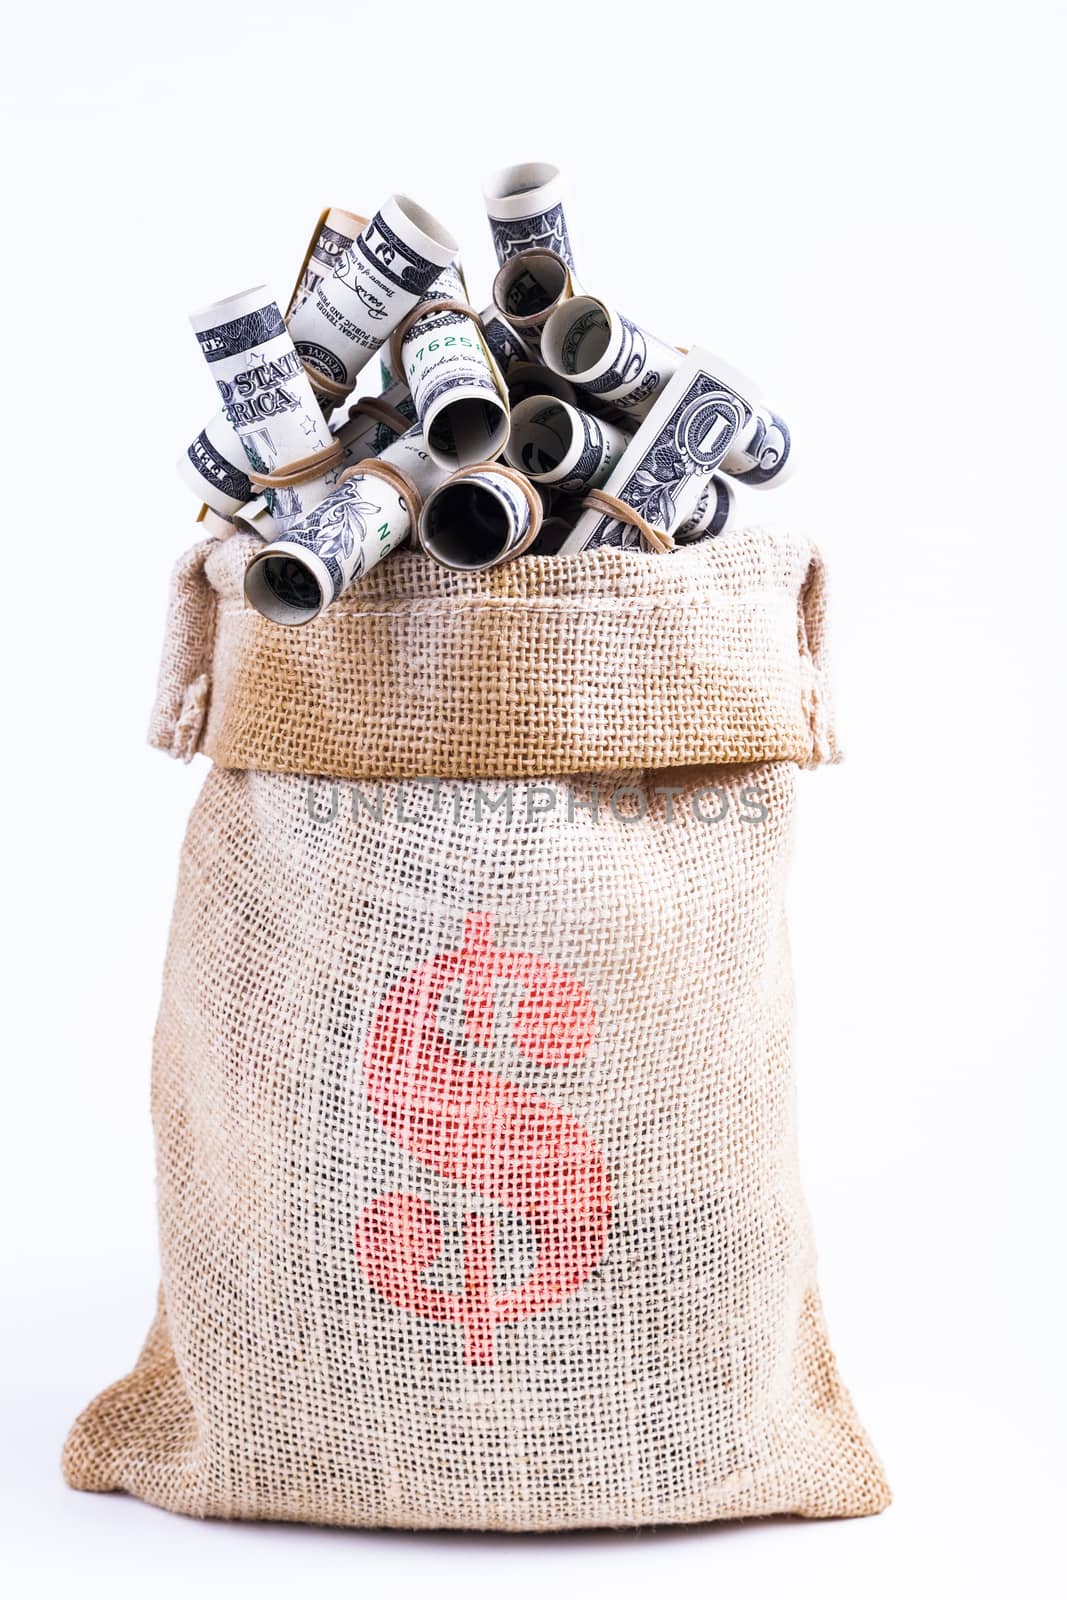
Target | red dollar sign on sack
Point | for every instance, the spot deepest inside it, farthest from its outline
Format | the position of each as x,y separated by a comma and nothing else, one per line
496,1138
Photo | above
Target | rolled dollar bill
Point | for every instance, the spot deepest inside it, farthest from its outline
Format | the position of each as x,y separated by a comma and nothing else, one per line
555,443
525,208
529,287
605,353
267,398
256,518
371,424
218,527
479,517
386,370
762,456
374,422
506,346
459,394
713,513
215,467
660,482
372,288
366,518
335,233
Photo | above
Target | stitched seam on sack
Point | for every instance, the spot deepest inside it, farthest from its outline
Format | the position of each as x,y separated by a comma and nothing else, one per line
402,610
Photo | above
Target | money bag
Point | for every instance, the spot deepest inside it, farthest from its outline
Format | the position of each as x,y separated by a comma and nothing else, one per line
472,1085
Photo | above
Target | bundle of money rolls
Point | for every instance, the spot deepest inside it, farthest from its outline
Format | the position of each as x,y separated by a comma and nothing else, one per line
547,424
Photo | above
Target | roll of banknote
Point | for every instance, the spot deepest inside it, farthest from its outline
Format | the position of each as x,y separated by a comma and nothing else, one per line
555,443
256,518
605,353
212,524
762,456
371,425
529,287
661,478
336,233
459,395
713,514
215,467
214,464
266,396
525,208
506,345
372,288
375,421
366,518
480,517
386,357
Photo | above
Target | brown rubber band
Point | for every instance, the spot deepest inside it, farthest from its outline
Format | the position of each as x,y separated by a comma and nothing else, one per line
379,410
397,480
430,308
600,500
333,392
326,388
533,499
304,470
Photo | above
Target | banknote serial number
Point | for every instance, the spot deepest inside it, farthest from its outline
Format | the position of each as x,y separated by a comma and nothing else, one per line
449,342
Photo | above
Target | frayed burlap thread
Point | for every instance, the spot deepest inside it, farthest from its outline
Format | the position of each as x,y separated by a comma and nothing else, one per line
478,1189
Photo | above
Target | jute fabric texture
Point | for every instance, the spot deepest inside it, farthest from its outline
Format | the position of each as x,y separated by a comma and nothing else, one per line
478,1190
544,665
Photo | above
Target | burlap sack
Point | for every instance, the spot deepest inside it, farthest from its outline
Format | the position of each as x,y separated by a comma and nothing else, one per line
478,1190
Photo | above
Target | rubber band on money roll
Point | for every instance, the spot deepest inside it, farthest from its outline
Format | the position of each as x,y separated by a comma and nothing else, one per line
326,389
290,585
609,505
304,470
432,308
481,469
380,411
398,481
533,499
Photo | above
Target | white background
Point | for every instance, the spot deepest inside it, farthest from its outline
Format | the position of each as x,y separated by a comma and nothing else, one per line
864,208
